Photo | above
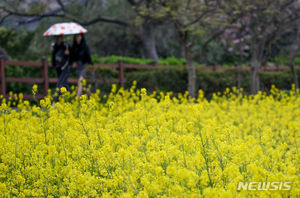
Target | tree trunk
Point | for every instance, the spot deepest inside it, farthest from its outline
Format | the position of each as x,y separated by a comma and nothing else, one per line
294,72
182,50
191,87
147,35
191,78
191,72
239,77
256,62
255,65
292,64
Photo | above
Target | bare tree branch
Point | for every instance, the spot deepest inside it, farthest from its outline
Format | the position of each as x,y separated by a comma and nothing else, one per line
101,19
62,6
209,40
62,13
24,14
3,18
198,18
134,3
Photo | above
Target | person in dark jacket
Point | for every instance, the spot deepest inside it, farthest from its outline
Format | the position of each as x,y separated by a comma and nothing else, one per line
61,62
80,58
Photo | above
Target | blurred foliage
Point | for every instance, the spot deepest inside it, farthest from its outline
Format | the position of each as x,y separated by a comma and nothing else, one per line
167,78
138,61
115,59
172,61
163,78
285,60
16,43
111,42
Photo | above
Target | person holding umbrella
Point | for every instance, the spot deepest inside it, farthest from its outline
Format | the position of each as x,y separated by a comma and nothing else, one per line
61,51
61,62
80,58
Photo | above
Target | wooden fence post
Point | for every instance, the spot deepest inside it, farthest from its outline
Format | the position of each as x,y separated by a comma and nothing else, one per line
45,76
121,73
2,75
239,80
214,67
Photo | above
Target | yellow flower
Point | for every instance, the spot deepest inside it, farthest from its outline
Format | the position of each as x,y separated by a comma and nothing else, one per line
34,89
130,144
63,90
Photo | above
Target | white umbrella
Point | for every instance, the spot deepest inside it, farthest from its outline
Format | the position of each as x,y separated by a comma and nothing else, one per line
65,29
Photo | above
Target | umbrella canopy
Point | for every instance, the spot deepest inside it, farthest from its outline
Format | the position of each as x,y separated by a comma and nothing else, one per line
65,29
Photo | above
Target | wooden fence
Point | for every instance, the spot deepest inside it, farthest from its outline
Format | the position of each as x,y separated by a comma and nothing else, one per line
45,80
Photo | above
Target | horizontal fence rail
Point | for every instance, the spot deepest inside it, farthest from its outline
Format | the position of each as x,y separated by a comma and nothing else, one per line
45,80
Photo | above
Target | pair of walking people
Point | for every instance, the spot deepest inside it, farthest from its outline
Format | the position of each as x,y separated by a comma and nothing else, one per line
64,56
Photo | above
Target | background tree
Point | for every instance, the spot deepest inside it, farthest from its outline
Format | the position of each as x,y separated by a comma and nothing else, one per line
192,29
15,44
236,42
196,22
137,16
287,49
265,21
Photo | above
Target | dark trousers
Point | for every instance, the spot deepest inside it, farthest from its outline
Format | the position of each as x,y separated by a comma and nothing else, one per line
62,76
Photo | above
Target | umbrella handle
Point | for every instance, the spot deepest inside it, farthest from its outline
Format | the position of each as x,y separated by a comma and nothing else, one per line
65,66
67,51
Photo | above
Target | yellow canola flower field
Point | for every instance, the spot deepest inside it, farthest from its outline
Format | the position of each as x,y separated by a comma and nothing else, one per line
131,144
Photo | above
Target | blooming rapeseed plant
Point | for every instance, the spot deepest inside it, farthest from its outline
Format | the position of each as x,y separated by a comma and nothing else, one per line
140,145
34,89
